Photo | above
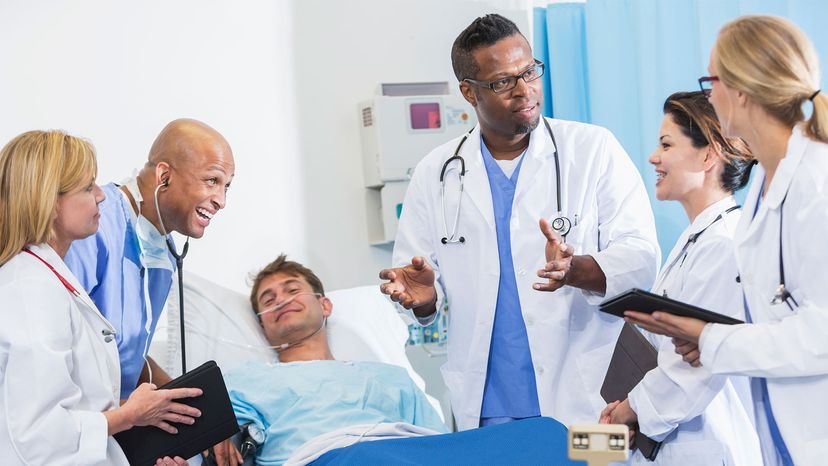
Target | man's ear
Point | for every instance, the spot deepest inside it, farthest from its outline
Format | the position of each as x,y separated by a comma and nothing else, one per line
468,93
162,174
327,306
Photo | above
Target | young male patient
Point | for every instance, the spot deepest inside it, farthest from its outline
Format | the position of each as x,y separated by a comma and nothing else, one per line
309,393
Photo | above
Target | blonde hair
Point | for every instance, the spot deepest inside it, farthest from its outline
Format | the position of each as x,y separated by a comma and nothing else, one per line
775,64
35,168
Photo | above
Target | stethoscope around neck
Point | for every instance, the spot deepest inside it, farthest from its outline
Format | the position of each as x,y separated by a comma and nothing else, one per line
561,224
179,263
782,294
691,239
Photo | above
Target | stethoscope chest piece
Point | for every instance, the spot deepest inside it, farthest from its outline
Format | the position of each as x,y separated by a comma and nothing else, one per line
562,225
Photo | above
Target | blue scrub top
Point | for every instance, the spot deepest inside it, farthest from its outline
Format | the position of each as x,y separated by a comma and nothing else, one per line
510,390
108,265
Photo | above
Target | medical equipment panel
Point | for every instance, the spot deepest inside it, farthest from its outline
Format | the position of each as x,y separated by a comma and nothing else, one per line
398,130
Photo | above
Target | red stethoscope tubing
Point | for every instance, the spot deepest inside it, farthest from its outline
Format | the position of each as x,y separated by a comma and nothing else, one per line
63,280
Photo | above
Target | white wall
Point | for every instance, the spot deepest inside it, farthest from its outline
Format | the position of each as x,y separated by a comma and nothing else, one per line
281,79
117,72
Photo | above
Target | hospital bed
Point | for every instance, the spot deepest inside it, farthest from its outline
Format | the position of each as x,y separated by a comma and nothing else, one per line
221,325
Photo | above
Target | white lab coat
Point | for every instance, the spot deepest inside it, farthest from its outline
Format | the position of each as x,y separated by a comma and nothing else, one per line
701,418
789,348
570,340
57,374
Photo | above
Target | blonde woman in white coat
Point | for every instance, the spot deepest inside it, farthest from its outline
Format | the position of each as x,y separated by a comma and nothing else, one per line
764,73
59,369
701,418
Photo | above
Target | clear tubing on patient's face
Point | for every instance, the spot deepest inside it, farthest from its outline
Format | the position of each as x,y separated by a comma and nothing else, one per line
281,304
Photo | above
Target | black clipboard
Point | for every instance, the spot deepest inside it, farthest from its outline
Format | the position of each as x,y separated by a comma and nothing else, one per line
644,301
632,358
144,445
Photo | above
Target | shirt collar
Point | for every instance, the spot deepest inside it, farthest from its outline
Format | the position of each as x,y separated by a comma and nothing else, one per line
781,181
710,213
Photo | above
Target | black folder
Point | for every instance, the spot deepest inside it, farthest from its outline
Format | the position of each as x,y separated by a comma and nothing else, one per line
644,301
632,358
144,445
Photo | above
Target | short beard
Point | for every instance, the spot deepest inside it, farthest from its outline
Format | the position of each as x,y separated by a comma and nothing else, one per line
528,128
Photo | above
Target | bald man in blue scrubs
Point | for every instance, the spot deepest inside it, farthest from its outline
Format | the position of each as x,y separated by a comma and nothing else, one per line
126,267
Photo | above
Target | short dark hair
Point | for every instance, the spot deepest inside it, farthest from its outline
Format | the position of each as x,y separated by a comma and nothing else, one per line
695,115
282,265
482,32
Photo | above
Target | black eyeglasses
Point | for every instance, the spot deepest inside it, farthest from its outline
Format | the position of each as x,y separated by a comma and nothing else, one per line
706,84
508,83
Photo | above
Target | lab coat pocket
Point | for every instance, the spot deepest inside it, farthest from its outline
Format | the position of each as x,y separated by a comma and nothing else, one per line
455,384
582,235
453,379
815,451
700,453
592,367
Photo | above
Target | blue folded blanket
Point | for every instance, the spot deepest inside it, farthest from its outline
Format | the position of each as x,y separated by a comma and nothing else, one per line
539,440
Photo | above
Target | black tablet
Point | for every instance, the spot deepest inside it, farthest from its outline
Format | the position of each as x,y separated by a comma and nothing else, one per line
644,301
143,445
632,358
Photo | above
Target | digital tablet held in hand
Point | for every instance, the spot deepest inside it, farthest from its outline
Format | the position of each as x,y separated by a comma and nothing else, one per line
143,445
644,301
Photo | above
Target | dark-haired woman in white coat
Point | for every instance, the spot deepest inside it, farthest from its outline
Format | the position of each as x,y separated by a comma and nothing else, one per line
764,74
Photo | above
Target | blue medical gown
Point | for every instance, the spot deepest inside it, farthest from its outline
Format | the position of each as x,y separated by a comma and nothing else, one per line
108,265
294,402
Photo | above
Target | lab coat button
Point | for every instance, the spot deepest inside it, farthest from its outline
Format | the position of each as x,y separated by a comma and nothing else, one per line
540,370
522,272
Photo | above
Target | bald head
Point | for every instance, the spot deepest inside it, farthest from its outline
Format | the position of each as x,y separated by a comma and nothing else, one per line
186,177
184,142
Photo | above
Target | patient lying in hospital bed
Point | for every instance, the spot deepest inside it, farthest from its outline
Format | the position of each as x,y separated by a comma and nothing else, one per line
308,393
320,409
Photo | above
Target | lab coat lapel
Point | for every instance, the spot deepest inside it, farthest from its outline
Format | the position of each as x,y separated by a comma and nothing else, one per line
90,312
748,226
786,169
538,154
84,301
477,180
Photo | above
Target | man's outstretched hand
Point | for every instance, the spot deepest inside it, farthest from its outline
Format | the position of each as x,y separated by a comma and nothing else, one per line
412,286
558,260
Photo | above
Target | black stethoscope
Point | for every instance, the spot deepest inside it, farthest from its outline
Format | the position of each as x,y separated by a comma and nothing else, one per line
692,240
782,294
179,263
561,224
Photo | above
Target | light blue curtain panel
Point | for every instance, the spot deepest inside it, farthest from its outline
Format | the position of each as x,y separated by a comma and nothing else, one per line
613,62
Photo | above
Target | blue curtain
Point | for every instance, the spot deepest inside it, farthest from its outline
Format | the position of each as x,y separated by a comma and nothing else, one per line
613,62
